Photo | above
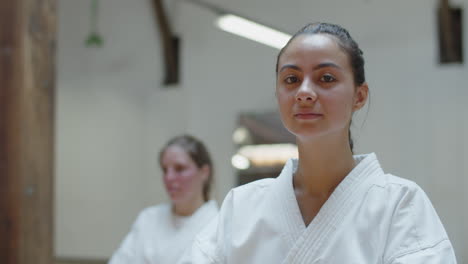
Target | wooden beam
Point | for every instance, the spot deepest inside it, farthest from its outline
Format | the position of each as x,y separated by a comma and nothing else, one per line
446,29
170,44
27,48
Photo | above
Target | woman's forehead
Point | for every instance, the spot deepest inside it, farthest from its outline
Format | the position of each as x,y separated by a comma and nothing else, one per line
175,152
316,47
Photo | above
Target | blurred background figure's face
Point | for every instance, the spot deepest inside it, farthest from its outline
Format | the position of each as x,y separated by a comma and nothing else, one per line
182,178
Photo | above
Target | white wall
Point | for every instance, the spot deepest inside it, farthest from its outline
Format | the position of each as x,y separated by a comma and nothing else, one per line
113,115
105,152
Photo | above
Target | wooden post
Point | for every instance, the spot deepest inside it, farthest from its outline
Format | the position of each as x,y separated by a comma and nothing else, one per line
27,50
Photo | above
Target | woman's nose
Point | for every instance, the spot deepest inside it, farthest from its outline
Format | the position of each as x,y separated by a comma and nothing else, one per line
170,175
306,92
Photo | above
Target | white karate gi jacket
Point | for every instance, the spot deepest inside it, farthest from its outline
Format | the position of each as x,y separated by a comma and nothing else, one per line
370,218
158,236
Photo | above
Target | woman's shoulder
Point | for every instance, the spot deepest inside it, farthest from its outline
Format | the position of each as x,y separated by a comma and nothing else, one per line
154,211
398,191
390,181
399,188
260,188
253,189
414,224
386,180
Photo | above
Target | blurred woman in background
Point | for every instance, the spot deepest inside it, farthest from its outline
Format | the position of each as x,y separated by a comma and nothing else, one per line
161,233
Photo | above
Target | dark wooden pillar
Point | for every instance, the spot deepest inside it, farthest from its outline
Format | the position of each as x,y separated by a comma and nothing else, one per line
27,55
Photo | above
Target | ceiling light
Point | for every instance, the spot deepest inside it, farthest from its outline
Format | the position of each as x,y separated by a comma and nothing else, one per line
252,30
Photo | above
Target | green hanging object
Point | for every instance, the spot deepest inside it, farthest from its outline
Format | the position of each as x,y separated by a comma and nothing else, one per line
94,38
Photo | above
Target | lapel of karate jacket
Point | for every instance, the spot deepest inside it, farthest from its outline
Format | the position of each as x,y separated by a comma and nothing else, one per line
307,242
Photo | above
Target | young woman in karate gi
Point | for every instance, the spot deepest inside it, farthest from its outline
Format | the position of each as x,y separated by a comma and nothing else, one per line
161,233
328,206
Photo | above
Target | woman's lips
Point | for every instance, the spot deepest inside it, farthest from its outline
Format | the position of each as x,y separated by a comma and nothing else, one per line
173,188
307,115
173,192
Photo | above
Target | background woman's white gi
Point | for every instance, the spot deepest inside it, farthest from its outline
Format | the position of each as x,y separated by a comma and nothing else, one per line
158,236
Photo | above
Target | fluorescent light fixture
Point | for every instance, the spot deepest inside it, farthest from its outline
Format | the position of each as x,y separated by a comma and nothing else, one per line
240,162
264,155
253,31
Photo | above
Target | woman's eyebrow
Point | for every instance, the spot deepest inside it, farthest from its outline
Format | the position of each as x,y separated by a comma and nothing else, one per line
320,66
327,64
289,66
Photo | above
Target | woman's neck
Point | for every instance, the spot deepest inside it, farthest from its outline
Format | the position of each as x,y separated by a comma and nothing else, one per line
189,207
323,164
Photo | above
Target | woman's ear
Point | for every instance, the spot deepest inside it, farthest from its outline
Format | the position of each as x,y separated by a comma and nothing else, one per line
360,96
205,172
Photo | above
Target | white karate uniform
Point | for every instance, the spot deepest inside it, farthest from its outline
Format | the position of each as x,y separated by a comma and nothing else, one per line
159,236
370,218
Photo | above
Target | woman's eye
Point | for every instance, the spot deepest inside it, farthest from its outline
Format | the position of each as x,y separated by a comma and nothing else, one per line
327,78
291,79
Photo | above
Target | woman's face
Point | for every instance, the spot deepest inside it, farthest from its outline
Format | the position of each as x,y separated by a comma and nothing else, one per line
182,177
315,87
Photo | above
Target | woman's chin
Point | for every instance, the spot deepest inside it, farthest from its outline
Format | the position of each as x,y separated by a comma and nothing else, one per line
306,132
175,197
180,199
